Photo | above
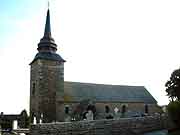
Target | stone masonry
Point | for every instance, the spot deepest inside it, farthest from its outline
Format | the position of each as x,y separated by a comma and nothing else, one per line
50,95
46,84
124,126
47,79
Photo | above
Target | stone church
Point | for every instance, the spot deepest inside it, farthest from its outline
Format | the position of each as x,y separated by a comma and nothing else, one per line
53,99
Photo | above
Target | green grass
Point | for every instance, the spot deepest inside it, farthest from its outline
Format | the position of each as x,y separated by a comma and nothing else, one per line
175,133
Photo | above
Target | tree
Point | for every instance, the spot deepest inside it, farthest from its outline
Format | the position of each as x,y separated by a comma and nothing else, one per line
173,91
173,85
174,112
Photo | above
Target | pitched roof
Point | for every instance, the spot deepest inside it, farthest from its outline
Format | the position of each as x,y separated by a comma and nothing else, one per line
49,56
76,91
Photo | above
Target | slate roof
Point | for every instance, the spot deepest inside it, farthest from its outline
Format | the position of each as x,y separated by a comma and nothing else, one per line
75,91
48,56
48,24
47,47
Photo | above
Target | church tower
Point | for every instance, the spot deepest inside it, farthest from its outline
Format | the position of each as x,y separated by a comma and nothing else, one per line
47,78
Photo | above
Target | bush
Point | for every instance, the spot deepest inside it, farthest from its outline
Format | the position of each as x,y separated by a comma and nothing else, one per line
174,112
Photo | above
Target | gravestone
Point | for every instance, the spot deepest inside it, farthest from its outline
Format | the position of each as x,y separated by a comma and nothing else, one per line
34,120
15,124
89,115
116,110
67,118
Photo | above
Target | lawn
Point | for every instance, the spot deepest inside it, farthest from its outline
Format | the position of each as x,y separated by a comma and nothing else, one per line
175,133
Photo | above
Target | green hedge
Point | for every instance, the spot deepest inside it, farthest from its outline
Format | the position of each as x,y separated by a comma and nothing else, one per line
174,111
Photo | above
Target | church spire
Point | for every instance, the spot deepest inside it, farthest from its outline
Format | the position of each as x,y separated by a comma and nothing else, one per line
47,47
47,43
47,31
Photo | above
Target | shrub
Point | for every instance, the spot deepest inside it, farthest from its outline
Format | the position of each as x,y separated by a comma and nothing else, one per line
174,112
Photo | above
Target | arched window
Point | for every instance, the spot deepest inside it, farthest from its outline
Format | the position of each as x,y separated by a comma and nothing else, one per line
92,108
66,110
146,109
123,109
107,109
33,88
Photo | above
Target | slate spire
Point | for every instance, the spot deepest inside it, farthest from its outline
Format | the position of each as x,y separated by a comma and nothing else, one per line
47,31
47,43
47,47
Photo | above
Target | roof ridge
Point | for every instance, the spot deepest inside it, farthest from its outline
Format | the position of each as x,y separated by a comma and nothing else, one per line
91,83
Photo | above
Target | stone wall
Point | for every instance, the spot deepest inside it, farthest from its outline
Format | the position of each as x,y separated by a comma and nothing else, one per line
47,84
124,126
130,107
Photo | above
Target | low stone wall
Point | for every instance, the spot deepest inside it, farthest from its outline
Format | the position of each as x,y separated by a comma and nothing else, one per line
124,126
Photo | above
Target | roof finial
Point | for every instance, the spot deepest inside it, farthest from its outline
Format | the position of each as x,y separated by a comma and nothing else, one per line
48,4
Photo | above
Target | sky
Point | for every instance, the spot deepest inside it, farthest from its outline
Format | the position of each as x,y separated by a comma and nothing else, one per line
120,42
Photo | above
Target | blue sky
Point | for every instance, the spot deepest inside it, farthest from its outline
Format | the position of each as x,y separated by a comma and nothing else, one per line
12,12
104,41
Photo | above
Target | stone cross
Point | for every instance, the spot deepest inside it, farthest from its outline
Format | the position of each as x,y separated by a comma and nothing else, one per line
116,110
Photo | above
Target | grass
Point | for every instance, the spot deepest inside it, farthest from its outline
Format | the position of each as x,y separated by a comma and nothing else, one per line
175,133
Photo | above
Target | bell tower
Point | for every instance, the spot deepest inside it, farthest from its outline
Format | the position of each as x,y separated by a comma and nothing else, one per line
46,78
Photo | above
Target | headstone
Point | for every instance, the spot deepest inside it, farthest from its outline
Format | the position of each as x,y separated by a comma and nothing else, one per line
73,119
41,115
41,118
40,121
89,115
109,116
15,124
67,118
34,120
116,110
164,109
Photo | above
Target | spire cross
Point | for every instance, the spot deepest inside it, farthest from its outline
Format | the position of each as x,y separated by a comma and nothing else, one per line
47,31
48,4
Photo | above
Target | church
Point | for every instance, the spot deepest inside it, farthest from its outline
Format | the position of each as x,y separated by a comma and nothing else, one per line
53,99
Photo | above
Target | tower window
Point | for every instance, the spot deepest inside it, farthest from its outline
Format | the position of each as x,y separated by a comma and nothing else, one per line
67,110
146,109
107,109
123,109
33,88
